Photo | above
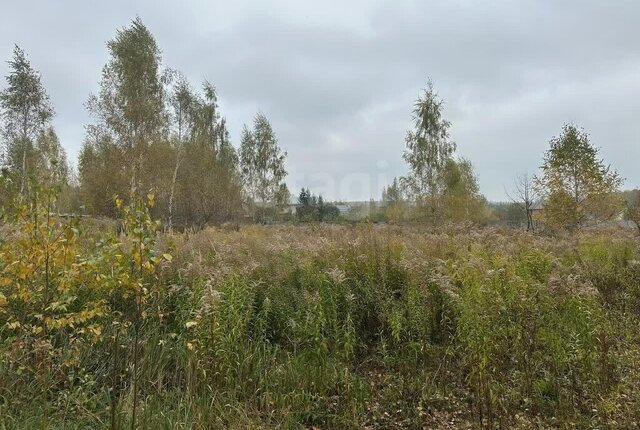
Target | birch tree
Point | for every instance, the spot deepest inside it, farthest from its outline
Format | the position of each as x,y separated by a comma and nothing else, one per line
443,187
428,147
262,162
130,106
26,113
577,187
182,104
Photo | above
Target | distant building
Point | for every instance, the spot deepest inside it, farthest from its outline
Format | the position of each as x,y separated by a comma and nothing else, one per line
537,209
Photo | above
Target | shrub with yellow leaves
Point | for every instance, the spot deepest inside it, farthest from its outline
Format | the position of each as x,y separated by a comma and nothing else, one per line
134,291
42,319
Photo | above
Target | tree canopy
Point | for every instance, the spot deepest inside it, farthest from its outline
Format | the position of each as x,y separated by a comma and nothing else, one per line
26,113
262,163
443,187
576,186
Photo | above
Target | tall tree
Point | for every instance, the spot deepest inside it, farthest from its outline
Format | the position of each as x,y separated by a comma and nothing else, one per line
262,162
130,106
153,131
50,159
26,112
229,178
305,211
304,198
209,186
428,145
524,196
101,173
182,101
443,187
314,208
577,187
392,195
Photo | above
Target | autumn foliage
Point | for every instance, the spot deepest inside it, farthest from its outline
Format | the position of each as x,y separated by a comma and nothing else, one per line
302,326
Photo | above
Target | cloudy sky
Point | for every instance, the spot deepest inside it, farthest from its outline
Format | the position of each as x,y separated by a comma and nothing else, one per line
338,79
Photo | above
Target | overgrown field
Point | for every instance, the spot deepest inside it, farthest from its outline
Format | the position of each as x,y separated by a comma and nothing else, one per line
316,326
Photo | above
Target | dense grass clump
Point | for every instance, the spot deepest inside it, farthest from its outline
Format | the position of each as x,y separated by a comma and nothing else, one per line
314,326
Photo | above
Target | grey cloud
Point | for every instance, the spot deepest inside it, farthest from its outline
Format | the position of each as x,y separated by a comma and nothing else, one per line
338,82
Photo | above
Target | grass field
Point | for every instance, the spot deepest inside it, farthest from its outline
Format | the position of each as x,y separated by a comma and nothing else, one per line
317,326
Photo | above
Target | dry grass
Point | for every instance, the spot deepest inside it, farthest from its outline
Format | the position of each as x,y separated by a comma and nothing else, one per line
356,326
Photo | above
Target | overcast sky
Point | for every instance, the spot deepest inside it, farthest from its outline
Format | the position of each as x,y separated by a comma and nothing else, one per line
338,79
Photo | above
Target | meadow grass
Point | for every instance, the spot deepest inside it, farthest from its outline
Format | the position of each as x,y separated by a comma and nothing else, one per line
324,326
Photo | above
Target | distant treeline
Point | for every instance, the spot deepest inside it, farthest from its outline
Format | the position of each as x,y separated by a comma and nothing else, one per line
154,133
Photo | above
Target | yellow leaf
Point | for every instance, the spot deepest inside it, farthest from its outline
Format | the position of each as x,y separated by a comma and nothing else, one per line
167,257
190,324
118,202
13,325
4,282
